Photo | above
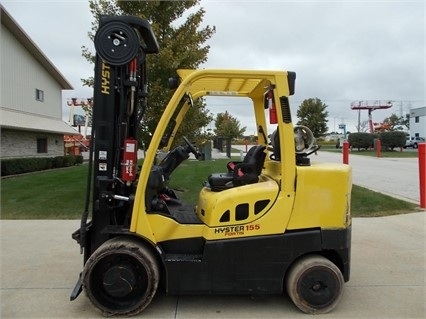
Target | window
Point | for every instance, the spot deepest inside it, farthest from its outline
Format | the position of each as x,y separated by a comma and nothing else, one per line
417,119
42,145
225,217
242,211
39,95
260,205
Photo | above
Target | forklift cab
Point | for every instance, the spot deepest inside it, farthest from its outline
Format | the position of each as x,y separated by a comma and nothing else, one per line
239,184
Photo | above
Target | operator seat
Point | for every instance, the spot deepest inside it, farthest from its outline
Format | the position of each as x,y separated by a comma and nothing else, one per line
275,143
240,173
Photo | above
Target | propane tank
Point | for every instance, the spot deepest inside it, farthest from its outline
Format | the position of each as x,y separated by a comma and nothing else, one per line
304,139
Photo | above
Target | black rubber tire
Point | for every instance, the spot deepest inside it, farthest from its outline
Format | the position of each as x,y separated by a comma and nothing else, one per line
315,284
121,277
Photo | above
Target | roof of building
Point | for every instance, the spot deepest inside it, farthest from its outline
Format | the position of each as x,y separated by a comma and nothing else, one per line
25,40
17,120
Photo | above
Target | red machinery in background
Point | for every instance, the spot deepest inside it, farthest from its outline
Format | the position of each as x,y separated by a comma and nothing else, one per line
80,143
371,106
75,144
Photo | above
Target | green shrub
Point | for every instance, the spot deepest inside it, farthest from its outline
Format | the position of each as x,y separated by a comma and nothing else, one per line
9,167
361,140
392,139
16,166
78,159
57,161
69,160
24,165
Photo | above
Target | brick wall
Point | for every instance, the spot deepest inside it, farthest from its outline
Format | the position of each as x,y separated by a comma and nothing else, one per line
24,144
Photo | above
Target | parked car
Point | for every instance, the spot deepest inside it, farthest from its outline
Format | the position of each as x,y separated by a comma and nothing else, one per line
413,141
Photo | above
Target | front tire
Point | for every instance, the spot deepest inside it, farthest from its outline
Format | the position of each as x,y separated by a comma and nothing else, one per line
315,284
121,277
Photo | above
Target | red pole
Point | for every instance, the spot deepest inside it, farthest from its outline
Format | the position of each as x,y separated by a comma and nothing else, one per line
422,174
345,152
378,147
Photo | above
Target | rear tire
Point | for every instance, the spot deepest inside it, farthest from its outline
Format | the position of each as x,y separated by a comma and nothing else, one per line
121,277
315,284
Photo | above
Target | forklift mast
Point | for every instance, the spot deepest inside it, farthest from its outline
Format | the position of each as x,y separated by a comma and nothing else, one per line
120,97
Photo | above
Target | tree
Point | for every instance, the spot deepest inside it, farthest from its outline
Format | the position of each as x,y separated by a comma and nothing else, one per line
228,126
397,123
406,121
182,45
363,127
312,113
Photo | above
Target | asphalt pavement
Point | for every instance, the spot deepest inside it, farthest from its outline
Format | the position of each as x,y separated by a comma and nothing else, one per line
40,264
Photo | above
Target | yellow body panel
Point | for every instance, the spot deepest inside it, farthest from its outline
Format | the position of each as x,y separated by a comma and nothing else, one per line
166,228
323,194
274,221
213,206
271,219
273,170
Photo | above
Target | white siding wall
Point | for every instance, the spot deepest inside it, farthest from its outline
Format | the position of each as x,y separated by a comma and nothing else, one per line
418,129
21,75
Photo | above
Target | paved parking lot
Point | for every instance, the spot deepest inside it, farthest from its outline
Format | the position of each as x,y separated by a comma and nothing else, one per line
40,264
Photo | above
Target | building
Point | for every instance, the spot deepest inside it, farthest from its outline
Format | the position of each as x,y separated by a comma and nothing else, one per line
30,97
418,122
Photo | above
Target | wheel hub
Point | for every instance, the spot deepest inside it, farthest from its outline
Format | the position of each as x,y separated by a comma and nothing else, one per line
317,286
119,281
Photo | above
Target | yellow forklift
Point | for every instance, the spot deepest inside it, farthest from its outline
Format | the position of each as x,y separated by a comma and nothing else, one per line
272,223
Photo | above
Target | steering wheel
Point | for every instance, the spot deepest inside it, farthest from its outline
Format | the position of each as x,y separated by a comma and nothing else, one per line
191,147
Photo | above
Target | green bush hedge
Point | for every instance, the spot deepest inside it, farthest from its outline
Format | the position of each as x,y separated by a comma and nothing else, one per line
361,140
16,166
392,139
389,140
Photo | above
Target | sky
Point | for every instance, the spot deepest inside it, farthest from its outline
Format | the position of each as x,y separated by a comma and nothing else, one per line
342,51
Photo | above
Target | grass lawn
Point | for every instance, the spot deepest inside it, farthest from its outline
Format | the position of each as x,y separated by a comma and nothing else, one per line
54,194
367,203
60,194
